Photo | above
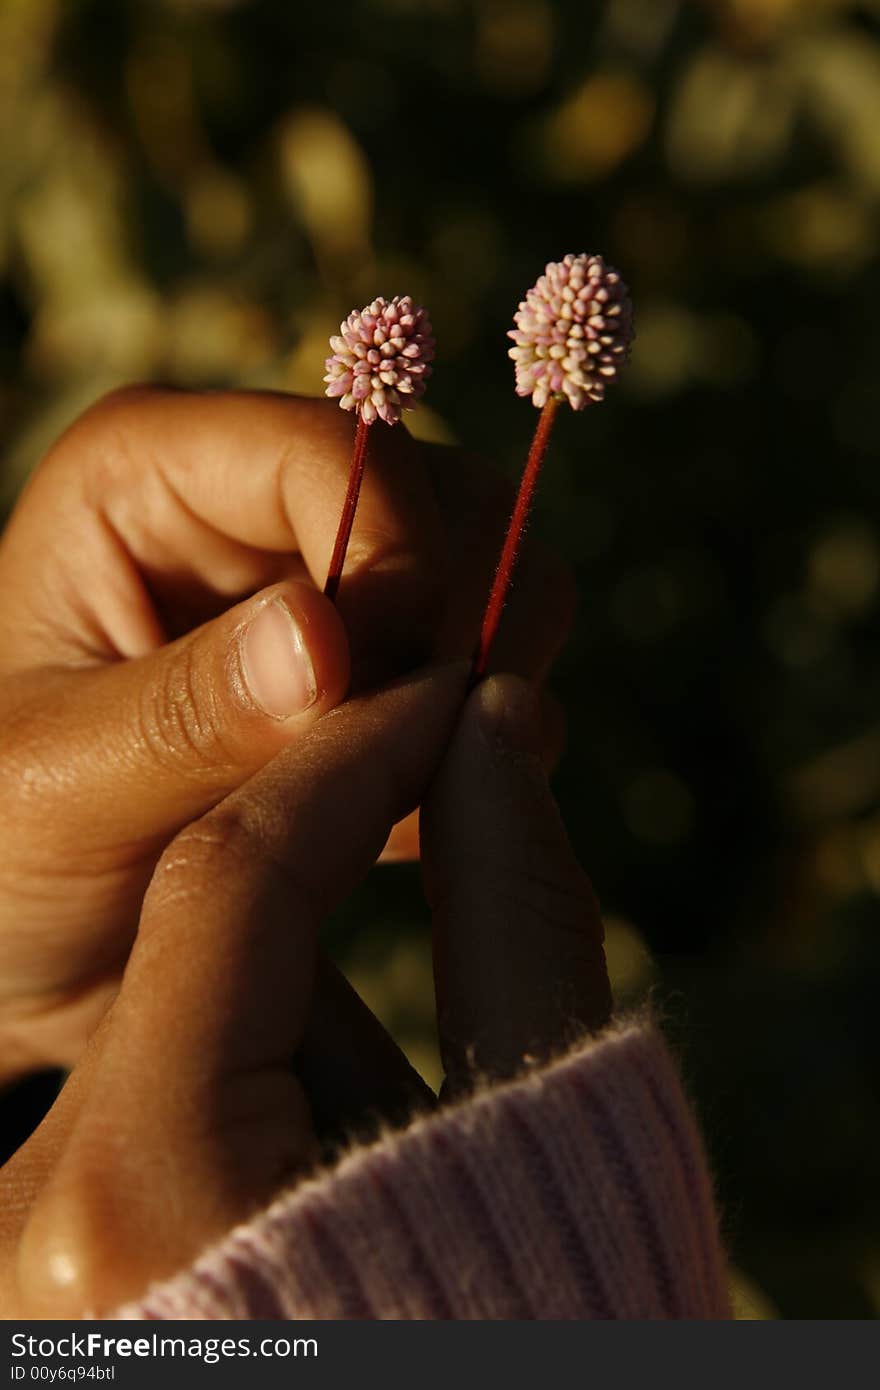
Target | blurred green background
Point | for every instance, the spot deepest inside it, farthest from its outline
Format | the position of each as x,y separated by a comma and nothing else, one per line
198,190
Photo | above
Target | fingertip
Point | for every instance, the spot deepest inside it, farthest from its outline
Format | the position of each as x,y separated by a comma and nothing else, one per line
492,773
326,640
517,931
506,710
294,653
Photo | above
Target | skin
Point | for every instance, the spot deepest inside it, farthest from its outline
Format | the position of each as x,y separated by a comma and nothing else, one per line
147,538
161,933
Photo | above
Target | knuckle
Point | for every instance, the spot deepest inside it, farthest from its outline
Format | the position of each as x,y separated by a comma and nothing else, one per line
239,840
224,840
380,551
102,423
121,397
109,437
180,720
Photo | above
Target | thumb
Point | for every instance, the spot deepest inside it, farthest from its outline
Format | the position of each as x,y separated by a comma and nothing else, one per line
146,745
519,965
190,1115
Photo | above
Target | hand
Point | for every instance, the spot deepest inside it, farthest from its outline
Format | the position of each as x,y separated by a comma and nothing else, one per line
157,597
185,1115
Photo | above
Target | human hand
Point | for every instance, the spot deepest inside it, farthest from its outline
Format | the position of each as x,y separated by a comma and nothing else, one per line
185,1115
167,550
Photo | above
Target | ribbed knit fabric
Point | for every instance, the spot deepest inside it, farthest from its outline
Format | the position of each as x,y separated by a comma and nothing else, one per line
579,1191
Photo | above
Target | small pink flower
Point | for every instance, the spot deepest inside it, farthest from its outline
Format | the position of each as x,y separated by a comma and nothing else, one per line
573,332
380,360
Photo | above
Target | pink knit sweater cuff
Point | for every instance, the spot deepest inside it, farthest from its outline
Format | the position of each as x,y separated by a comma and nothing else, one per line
579,1191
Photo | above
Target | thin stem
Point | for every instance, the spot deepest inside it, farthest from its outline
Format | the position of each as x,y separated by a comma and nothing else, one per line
510,550
349,507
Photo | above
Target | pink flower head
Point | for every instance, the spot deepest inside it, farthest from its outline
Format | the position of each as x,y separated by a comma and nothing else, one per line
573,332
381,359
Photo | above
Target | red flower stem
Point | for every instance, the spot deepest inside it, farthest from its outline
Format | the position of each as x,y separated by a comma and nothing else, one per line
512,541
349,507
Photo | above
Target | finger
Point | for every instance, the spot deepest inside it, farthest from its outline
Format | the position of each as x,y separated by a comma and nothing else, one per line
268,863
519,964
193,1089
147,745
404,842
25,1176
201,493
26,1172
356,1077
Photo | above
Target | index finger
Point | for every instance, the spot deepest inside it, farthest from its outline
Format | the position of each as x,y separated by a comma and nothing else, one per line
518,957
197,485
